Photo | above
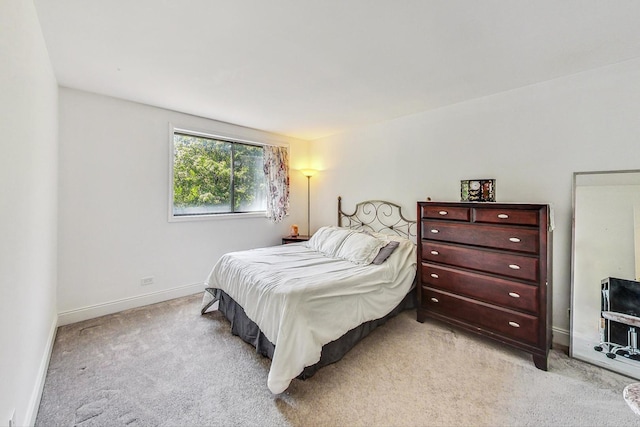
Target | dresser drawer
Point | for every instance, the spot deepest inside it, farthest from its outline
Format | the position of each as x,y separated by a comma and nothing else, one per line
514,325
446,212
507,216
518,239
490,289
502,263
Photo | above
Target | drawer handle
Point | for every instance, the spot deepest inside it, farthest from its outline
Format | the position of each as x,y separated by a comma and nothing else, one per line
514,295
434,231
514,324
503,216
514,239
443,212
435,253
514,266
434,300
434,275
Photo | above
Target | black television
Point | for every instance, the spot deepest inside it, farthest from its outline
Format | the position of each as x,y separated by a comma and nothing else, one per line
619,296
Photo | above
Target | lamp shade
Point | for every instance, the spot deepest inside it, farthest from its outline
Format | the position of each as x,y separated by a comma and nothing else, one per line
308,172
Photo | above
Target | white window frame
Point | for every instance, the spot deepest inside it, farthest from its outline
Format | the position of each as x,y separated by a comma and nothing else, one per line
205,217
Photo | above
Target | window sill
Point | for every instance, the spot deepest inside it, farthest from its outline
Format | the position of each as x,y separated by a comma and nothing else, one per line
226,216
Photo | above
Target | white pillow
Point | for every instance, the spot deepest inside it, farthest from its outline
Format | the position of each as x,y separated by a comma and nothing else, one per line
360,248
328,240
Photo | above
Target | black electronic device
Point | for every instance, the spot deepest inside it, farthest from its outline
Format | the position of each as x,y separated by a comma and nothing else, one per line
620,316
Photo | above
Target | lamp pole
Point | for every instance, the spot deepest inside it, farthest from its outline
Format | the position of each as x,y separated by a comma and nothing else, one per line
309,173
309,205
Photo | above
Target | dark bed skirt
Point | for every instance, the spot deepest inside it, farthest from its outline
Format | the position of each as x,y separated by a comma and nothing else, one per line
246,329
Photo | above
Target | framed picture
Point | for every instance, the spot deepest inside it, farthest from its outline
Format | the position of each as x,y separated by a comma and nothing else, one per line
478,190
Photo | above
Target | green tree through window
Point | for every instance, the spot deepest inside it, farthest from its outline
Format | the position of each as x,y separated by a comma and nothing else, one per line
214,176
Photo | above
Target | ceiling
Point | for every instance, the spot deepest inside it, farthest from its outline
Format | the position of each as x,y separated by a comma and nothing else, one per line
309,69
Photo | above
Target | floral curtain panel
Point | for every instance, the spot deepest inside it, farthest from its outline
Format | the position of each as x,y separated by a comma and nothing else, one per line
276,171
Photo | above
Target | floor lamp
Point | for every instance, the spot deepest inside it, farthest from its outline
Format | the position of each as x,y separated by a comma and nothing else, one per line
308,173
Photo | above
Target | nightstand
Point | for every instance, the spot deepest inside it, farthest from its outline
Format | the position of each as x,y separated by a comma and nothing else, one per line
291,239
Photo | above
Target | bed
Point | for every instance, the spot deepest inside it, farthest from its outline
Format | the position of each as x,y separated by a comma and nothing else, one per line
304,305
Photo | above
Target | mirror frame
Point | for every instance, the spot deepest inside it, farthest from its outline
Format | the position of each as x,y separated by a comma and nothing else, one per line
597,178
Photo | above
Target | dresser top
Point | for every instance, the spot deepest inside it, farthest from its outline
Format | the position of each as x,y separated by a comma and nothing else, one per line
498,205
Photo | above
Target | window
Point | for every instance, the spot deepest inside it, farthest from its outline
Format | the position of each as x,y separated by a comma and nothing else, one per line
213,175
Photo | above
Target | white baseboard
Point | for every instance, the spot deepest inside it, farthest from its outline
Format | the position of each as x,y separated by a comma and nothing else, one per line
560,336
36,394
97,310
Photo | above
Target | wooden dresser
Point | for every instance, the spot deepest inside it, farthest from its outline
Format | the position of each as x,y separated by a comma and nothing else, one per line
486,267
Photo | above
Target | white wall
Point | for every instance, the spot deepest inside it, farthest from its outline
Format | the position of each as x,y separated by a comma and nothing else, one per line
28,210
531,140
113,229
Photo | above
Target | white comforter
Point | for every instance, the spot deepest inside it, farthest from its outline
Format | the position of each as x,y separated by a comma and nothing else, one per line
302,299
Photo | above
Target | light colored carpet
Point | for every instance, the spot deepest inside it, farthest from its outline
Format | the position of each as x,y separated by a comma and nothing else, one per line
167,365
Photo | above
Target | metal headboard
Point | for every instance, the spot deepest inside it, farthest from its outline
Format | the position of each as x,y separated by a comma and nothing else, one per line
378,216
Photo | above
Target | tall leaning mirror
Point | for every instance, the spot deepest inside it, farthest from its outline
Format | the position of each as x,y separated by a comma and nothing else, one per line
605,292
